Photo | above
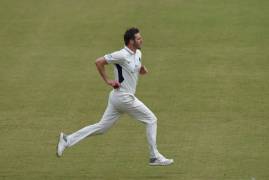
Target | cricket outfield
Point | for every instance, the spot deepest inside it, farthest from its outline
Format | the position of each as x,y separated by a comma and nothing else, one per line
208,84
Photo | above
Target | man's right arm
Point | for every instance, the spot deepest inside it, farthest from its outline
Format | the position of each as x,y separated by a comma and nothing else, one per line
100,64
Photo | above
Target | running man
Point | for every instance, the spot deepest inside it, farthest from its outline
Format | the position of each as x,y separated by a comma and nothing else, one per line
127,67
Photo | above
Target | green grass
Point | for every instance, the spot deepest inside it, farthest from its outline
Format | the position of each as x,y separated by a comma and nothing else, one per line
208,85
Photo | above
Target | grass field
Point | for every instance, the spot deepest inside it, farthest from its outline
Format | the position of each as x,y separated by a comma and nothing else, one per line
208,85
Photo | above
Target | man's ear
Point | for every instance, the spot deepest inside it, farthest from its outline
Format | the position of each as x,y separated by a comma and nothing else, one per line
131,41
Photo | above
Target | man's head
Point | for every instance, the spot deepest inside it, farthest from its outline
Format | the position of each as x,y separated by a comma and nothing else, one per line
132,38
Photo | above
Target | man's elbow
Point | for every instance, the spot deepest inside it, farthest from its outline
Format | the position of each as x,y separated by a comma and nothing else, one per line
97,62
100,61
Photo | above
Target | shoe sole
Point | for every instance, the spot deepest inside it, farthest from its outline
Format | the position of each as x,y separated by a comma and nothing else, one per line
161,164
58,146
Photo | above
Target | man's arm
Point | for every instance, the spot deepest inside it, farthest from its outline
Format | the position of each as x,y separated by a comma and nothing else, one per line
100,64
143,70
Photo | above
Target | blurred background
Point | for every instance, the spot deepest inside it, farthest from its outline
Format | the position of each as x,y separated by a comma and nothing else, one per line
208,85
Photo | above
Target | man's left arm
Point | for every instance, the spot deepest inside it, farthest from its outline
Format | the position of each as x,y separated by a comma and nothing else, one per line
143,70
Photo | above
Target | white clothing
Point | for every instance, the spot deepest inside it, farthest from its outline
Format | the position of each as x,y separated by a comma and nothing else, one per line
118,103
123,100
127,66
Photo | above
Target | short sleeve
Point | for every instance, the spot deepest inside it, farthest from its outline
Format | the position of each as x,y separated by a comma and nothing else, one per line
115,57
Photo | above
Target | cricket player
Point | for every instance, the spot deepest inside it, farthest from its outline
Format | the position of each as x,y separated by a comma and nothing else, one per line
122,99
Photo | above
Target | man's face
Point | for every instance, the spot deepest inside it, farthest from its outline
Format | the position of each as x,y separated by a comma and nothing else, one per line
138,41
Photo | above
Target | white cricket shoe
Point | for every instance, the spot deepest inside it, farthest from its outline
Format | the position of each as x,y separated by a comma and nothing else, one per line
61,145
160,161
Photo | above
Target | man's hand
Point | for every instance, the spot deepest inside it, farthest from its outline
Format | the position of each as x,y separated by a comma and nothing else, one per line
143,70
115,84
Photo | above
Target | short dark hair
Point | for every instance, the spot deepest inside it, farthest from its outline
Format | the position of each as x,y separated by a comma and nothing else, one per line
130,34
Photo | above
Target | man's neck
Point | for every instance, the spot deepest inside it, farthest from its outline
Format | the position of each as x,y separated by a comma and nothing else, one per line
132,48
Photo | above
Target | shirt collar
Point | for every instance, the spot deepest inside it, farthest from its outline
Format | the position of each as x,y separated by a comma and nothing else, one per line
129,50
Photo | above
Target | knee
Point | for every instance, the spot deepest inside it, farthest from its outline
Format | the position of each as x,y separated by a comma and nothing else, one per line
101,131
102,128
153,119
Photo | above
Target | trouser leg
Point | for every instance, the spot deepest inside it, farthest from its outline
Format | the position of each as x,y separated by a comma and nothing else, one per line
142,113
151,137
109,118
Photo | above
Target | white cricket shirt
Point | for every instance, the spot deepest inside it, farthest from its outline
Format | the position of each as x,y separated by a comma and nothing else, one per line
127,66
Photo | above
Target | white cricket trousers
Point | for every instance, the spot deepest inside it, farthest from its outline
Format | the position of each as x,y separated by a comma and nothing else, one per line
118,103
